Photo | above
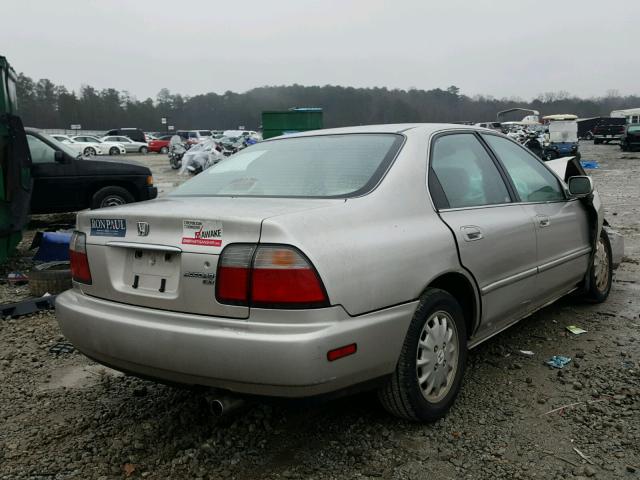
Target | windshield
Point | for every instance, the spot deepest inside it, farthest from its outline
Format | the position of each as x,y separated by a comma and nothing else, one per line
62,146
205,133
320,166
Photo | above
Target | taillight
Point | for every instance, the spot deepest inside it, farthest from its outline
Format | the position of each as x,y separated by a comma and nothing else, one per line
80,271
232,279
268,276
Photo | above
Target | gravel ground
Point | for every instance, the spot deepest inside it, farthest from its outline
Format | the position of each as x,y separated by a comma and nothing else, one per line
63,416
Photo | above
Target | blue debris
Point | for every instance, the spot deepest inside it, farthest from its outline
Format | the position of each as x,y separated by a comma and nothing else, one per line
589,164
558,361
54,246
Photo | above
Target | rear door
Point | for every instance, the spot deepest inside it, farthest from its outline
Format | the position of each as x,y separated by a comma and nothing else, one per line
562,224
495,237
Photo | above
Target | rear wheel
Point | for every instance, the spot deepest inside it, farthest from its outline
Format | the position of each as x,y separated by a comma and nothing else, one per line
601,273
114,151
111,197
164,150
143,150
588,136
551,155
429,372
89,151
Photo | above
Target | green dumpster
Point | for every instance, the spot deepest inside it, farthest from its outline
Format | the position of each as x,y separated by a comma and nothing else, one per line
15,165
276,123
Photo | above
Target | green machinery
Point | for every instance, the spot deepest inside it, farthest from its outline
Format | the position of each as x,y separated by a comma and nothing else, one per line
276,123
15,165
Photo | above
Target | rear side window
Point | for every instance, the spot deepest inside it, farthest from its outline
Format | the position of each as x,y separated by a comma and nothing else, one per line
324,166
466,173
533,182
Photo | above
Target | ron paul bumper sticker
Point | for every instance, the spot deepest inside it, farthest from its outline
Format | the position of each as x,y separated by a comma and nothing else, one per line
199,232
108,227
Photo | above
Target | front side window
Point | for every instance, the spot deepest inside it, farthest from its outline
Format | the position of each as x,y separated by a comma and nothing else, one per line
322,166
40,151
466,173
533,181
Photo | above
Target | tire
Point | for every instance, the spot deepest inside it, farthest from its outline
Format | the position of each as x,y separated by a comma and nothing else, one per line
624,147
403,395
175,163
89,152
551,155
164,150
143,150
111,197
588,136
601,272
114,151
54,279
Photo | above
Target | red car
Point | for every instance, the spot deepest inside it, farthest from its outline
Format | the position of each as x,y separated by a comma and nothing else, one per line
160,145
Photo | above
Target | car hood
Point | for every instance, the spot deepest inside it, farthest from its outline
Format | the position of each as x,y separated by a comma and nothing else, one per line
115,166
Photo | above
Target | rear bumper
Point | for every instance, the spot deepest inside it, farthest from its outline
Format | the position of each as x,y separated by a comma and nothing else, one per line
279,353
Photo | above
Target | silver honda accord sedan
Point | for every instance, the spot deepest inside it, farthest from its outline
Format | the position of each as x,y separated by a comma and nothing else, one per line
307,264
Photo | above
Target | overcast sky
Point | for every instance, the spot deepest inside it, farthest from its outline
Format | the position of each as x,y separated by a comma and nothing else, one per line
493,47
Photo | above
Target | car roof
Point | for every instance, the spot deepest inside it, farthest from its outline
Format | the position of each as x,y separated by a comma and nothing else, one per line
426,128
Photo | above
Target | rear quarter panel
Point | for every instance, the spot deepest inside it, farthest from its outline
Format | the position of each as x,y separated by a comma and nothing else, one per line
378,250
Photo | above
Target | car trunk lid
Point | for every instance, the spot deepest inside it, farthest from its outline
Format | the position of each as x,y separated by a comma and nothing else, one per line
164,254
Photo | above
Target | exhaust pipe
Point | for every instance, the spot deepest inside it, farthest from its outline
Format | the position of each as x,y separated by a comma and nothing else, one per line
225,404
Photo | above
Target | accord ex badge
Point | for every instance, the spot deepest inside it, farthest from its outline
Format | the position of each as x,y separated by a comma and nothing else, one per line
143,229
207,278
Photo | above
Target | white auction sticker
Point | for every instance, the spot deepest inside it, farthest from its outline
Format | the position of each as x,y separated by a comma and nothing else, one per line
207,233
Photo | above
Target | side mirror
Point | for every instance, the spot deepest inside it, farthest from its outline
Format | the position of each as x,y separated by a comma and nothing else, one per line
58,156
580,186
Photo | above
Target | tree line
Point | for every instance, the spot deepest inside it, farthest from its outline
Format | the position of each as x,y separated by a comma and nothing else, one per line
43,104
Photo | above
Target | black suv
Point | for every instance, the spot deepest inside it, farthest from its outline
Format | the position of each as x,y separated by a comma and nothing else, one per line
134,134
631,137
64,181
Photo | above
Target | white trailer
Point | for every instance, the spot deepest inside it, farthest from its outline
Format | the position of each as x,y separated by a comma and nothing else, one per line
631,114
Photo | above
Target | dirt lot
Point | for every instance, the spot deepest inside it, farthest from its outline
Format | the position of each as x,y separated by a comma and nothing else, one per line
62,416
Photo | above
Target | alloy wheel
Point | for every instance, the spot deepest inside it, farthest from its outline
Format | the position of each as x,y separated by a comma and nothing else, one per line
601,262
437,356
112,201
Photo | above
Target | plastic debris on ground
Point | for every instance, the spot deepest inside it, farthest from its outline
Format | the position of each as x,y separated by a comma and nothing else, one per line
558,361
63,347
526,353
53,246
576,330
590,164
17,278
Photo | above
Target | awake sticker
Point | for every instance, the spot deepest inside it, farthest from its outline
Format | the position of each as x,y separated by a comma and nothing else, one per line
108,227
205,233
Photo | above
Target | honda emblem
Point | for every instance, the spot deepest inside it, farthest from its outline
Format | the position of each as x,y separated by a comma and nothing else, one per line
143,229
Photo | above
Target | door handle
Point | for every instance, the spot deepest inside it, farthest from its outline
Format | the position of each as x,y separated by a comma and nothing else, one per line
471,233
543,221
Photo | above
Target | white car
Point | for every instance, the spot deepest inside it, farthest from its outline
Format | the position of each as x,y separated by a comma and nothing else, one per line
131,146
109,148
86,149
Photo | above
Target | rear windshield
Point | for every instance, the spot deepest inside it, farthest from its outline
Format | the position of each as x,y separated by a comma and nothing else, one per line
321,166
205,133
